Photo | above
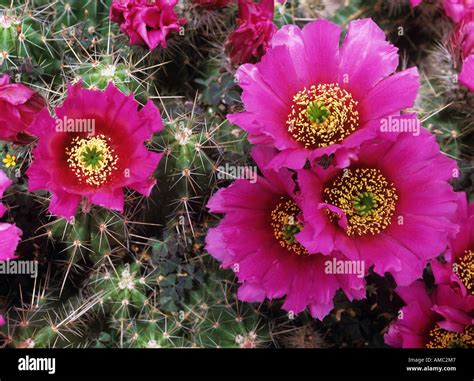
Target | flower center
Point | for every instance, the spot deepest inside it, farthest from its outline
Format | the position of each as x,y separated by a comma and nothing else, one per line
366,197
465,270
92,159
323,115
441,338
286,225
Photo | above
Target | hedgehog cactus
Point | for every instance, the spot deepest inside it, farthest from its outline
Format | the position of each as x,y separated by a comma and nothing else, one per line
89,14
46,322
92,234
192,153
23,38
99,75
154,331
125,289
216,319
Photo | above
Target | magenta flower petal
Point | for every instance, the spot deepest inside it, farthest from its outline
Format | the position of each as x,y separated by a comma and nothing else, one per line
230,199
15,94
458,9
391,95
291,38
466,77
109,199
5,182
365,46
9,238
418,318
251,293
455,320
461,39
64,204
283,62
456,272
321,42
290,158
9,234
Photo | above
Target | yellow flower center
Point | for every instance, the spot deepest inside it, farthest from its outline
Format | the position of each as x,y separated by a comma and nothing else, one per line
366,197
92,159
285,225
322,115
441,338
465,270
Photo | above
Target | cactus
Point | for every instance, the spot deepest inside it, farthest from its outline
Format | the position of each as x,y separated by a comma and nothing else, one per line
124,288
98,75
47,321
155,332
92,234
67,13
216,319
25,39
188,167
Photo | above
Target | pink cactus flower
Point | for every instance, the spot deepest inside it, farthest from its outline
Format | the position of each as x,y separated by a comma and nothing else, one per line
310,97
95,164
146,22
255,27
442,319
19,106
256,238
458,272
391,207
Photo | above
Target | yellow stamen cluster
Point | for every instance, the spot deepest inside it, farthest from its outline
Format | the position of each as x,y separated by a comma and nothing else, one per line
441,338
366,197
92,159
465,270
337,117
286,225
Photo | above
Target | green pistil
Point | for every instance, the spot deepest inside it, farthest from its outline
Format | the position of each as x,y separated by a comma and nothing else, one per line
92,157
457,344
365,203
289,231
317,112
